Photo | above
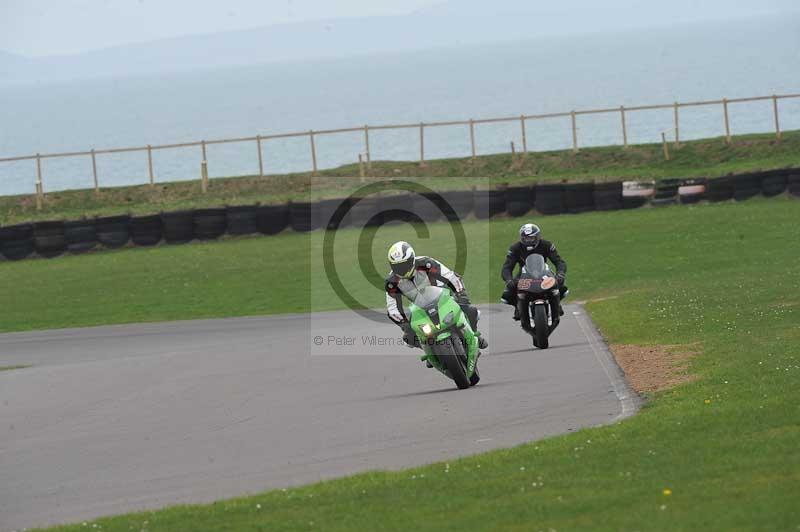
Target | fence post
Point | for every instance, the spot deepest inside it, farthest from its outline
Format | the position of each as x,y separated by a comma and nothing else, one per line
361,167
727,122
260,157
421,144
94,174
777,121
624,126
366,145
574,132
203,168
666,147
150,164
472,138
524,135
39,188
677,126
313,152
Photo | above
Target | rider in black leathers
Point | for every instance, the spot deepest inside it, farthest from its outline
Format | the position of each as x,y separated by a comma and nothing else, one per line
530,242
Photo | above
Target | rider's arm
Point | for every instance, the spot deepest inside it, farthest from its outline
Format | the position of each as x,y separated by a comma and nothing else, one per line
555,258
394,303
445,274
512,258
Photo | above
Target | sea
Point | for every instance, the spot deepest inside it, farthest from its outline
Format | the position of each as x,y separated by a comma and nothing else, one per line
703,61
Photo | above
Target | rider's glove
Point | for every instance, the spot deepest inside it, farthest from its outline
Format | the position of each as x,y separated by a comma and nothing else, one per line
560,277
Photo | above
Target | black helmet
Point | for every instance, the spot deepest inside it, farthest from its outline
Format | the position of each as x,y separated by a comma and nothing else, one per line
401,259
530,235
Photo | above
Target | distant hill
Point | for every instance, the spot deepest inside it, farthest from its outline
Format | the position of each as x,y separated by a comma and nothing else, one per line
451,23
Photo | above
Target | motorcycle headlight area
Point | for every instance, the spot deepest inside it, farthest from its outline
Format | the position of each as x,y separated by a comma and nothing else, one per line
427,329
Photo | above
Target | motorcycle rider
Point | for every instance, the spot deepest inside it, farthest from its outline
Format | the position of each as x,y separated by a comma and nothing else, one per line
401,281
530,242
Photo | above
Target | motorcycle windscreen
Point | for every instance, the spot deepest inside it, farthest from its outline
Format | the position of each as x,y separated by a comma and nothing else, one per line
535,266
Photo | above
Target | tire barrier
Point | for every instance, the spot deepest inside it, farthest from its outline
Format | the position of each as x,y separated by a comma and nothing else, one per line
488,203
16,241
424,206
608,196
793,184
272,219
304,216
366,211
579,197
241,219
81,236
178,226
113,231
48,239
327,208
51,239
209,224
746,186
146,230
773,183
692,190
550,199
636,193
719,189
462,202
519,201
666,192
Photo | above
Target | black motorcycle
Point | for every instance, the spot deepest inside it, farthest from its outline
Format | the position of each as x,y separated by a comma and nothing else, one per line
538,300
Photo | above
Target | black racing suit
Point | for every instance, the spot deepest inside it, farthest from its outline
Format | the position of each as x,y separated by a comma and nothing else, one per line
438,274
517,254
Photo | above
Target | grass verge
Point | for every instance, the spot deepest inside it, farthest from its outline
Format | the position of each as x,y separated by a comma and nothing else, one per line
11,368
717,453
701,158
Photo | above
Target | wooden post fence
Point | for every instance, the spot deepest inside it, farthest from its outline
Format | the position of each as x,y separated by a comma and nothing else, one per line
421,144
727,122
313,152
472,138
666,146
39,188
203,168
361,167
524,135
574,133
150,165
367,154
624,127
260,157
366,146
94,174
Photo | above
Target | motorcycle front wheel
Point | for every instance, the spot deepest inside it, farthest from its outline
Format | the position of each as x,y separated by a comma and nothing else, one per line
540,327
455,365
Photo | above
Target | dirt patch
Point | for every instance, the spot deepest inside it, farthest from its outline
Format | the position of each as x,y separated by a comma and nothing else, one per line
653,368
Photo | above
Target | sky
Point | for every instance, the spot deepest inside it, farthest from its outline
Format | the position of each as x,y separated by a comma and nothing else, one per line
45,27
58,27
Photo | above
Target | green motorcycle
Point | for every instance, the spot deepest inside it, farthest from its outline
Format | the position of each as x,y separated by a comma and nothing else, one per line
450,344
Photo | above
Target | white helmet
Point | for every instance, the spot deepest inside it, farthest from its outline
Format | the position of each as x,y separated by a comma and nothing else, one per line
401,259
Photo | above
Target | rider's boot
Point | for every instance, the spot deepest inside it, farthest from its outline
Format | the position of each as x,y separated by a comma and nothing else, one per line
516,313
482,343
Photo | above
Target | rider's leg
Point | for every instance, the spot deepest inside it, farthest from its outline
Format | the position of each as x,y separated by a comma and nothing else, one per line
472,315
509,297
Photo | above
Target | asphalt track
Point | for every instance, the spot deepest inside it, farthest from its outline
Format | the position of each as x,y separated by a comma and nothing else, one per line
122,418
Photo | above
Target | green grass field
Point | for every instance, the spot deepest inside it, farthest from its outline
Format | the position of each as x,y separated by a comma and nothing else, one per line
701,158
718,453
